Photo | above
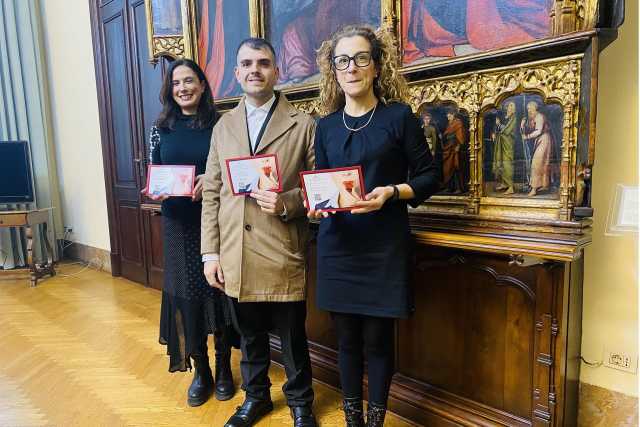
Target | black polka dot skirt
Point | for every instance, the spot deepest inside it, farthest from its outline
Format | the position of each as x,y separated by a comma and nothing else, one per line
191,309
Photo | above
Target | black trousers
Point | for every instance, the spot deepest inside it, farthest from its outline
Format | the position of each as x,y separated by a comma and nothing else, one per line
374,335
254,321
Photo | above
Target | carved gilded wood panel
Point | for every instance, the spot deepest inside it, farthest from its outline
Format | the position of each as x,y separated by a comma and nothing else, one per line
522,157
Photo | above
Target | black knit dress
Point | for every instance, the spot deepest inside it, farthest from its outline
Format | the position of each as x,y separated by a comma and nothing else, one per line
191,309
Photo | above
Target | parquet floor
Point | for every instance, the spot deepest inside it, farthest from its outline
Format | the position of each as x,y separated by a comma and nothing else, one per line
81,349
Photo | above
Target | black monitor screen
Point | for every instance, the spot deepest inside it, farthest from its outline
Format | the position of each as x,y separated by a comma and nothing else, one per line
15,173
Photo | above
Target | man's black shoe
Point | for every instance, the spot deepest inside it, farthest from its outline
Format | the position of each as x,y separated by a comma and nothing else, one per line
250,412
303,416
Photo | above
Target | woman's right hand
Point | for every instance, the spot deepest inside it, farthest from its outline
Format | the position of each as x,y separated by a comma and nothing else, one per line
159,197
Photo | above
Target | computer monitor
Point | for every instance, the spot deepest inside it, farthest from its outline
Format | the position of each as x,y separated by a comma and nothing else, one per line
15,173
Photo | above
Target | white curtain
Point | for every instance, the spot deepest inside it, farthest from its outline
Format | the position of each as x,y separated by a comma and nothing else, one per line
24,115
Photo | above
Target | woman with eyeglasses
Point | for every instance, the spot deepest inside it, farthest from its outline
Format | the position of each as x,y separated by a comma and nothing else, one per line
363,274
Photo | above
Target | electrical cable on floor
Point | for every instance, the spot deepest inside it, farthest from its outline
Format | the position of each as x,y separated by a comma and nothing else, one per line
95,262
592,364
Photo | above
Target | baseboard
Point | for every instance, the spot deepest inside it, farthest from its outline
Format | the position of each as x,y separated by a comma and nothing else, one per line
96,256
600,407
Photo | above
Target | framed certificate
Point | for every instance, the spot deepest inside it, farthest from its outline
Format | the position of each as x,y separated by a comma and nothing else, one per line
256,172
171,180
333,189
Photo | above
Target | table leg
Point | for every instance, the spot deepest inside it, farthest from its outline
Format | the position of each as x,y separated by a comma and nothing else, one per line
49,269
30,263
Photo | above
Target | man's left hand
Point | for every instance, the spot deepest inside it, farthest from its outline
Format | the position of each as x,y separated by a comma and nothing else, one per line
269,201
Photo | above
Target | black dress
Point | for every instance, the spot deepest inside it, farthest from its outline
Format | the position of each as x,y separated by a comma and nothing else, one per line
190,309
363,259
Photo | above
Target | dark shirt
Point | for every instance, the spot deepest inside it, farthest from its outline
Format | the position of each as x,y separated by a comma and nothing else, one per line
362,258
182,145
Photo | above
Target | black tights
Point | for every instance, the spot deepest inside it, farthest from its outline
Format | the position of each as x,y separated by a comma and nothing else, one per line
375,335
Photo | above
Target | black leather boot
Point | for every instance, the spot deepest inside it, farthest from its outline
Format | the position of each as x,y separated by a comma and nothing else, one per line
375,415
353,415
201,387
224,388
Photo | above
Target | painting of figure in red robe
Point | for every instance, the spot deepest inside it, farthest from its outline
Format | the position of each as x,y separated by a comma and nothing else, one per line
437,29
446,130
297,28
222,25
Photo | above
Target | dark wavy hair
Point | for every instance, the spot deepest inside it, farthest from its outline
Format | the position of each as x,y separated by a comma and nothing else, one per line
206,116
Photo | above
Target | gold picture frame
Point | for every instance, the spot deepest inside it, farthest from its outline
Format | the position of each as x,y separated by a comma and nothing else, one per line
555,81
176,41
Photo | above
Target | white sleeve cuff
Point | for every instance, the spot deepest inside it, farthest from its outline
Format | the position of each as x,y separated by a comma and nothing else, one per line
210,257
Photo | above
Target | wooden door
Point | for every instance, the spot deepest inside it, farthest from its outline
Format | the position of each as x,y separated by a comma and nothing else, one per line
128,88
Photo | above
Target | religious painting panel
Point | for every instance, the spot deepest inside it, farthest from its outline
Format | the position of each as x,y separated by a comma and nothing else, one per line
434,30
509,135
446,131
522,140
169,28
221,26
297,28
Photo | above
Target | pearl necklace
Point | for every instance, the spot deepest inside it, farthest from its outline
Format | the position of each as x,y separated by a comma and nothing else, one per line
363,126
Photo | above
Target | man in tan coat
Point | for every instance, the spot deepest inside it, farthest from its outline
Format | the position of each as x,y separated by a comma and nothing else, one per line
254,246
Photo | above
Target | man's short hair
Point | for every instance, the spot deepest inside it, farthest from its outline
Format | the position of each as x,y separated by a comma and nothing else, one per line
257,43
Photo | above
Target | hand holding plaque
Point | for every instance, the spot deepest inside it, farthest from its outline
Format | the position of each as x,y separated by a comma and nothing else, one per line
170,180
332,190
247,174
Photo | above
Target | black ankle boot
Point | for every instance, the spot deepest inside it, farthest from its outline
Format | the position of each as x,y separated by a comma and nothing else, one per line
202,385
352,407
224,389
375,415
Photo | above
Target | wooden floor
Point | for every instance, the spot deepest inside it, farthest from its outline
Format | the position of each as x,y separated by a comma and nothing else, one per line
81,349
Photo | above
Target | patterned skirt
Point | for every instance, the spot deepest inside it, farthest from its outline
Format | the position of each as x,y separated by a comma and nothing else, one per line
191,309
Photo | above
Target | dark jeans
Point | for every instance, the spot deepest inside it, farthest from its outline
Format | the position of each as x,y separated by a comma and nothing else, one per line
375,335
254,321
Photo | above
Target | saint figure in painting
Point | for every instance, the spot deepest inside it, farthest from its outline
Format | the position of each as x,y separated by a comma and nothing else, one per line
535,127
430,133
504,139
453,139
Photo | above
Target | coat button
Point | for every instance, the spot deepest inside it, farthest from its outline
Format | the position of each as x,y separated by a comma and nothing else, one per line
247,227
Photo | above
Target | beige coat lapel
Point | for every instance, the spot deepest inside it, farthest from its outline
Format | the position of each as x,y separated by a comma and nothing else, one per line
238,124
280,122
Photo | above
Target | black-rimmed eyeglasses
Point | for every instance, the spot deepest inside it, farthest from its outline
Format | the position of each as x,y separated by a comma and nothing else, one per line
361,59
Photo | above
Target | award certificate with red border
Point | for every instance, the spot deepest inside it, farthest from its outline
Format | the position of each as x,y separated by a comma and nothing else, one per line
333,189
171,180
254,172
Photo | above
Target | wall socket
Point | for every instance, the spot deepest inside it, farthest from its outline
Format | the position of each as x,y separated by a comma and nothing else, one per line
619,360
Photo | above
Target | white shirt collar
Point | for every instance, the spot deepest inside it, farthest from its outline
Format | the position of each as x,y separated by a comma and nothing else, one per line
250,108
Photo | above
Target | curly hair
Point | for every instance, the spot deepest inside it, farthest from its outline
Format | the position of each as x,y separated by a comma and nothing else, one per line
389,86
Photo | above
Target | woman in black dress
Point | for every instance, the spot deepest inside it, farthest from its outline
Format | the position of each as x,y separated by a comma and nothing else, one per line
363,274
191,309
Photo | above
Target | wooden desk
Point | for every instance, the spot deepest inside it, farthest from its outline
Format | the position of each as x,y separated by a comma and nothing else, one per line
29,219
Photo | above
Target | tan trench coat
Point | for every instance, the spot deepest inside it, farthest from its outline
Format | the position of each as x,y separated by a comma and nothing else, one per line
262,256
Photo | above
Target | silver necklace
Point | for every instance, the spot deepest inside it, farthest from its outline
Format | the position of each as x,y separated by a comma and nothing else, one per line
364,125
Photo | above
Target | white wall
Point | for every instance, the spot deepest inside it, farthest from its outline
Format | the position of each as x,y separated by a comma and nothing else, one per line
74,114
610,314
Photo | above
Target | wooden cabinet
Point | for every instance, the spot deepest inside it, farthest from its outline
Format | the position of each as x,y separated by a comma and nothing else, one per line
490,342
